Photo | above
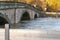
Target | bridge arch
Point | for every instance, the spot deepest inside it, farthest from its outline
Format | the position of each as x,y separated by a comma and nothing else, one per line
35,16
4,19
26,10
25,16
28,6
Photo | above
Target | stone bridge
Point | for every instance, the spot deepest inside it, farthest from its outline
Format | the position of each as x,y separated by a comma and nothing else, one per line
15,12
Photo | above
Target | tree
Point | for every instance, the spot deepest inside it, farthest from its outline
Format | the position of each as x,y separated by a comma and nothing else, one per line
36,3
49,8
22,1
54,4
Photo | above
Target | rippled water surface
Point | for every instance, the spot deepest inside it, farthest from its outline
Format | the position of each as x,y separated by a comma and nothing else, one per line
42,24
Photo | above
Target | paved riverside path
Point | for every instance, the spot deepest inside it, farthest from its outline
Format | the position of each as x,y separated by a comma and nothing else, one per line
21,34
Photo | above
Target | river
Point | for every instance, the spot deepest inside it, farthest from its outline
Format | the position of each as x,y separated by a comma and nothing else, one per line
48,23
41,24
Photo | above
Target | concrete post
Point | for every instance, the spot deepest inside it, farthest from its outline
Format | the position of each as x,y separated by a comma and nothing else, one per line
6,31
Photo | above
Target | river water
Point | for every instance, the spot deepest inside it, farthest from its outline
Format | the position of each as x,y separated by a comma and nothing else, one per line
39,24
42,24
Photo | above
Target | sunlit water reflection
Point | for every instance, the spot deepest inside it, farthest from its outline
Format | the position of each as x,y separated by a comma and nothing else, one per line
42,24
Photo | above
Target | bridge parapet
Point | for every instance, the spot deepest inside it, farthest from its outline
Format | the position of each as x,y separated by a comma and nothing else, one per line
18,5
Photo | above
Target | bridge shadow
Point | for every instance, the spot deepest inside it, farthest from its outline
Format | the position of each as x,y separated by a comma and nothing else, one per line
25,16
3,21
35,16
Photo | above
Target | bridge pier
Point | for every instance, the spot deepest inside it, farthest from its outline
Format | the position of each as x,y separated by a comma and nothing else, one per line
31,15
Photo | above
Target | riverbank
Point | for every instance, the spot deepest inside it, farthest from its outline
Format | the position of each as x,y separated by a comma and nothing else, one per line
52,14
